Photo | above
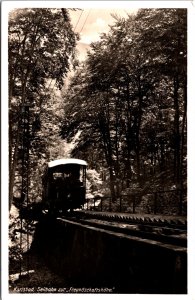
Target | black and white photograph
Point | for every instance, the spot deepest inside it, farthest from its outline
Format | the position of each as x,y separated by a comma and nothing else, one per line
95,172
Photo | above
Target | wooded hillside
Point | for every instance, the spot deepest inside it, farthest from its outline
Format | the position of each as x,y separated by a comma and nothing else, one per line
129,100
124,110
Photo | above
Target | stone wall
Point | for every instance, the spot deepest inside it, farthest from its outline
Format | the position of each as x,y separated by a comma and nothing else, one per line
95,258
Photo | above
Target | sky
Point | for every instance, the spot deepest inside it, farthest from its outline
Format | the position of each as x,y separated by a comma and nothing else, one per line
90,23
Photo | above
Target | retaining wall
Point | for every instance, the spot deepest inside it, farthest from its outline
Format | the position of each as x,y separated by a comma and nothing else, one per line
95,258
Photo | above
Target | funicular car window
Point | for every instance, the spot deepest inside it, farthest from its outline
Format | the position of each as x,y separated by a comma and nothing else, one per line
58,175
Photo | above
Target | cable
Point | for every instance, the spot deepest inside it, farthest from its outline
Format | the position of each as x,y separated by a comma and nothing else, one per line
85,21
78,20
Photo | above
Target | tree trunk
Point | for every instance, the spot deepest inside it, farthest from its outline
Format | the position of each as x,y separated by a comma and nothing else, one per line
13,161
183,137
13,164
128,116
139,116
176,132
104,128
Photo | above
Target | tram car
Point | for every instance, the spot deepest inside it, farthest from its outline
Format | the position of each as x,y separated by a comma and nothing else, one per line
64,185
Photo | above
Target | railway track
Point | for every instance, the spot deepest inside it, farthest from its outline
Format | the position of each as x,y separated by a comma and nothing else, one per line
168,231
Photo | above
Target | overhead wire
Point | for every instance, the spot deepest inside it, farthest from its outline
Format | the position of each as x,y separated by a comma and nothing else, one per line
85,21
78,19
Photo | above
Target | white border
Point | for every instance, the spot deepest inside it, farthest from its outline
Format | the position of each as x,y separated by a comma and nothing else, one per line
9,5
98,4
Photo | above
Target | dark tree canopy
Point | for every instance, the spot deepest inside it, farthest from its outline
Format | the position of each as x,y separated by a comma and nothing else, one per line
129,101
41,45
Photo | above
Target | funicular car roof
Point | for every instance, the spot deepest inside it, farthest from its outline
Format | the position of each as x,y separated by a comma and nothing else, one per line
66,161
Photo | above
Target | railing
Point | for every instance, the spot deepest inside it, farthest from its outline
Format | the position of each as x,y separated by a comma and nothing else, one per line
169,202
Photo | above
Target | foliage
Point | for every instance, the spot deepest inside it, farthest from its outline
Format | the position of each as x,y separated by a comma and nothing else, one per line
41,47
128,101
94,184
14,235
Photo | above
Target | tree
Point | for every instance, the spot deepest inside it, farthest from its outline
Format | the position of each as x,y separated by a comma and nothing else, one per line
41,44
164,35
132,100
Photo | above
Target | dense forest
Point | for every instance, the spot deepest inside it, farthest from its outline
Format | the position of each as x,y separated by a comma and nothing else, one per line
123,111
41,48
128,102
